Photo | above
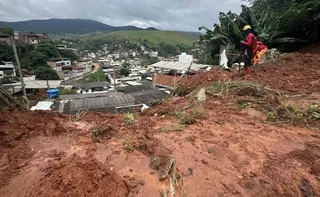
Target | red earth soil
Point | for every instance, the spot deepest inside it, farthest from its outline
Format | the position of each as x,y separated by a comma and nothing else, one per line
231,151
297,73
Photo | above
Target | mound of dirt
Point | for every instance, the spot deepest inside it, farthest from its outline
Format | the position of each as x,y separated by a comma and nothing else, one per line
78,176
298,73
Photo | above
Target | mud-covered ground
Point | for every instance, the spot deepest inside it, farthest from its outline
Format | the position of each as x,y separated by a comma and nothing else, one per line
230,151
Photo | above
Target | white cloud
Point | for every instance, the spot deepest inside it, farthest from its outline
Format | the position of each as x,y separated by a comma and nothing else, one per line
163,14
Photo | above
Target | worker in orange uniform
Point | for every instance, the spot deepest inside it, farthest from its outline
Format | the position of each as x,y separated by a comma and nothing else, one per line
249,46
260,52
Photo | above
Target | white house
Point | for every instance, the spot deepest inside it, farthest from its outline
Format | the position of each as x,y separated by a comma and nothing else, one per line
7,69
60,65
86,64
134,72
154,54
184,58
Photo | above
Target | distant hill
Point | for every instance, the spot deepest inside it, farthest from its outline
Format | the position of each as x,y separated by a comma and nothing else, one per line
155,37
63,26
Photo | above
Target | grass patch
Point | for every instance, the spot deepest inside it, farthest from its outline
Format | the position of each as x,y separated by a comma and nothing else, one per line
97,134
189,114
129,119
127,144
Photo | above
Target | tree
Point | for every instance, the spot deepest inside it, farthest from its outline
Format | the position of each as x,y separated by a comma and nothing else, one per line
46,73
124,72
37,59
126,65
49,49
98,76
6,52
69,54
7,30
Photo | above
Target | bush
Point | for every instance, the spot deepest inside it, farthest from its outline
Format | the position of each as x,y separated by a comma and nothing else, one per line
46,73
98,76
124,72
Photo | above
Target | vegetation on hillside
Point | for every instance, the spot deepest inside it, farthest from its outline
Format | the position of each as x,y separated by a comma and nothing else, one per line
154,37
34,58
165,43
285,25
98,76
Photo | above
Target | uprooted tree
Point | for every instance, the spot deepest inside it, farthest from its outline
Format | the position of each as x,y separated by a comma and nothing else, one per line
284,24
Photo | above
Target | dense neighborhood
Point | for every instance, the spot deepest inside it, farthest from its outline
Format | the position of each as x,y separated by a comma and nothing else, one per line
101,70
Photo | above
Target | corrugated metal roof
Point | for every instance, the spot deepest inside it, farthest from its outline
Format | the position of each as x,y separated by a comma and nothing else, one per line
99,104
91,95
178,66
148,96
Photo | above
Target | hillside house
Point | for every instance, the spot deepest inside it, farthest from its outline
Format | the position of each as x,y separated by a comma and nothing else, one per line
6,38
7,69
86,64
104,63
61,66
31,37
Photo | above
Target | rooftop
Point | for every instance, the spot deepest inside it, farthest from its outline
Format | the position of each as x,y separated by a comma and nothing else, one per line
178,66
59,59
98,104
90,85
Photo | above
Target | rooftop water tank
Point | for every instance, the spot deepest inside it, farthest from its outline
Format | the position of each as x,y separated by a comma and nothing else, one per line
53,93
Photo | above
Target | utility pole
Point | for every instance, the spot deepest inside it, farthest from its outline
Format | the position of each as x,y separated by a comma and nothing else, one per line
21,76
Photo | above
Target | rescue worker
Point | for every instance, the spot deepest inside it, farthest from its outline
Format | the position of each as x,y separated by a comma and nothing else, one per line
260,52
249,46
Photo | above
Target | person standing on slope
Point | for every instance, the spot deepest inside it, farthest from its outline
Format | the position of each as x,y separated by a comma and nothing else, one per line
260,52
249,46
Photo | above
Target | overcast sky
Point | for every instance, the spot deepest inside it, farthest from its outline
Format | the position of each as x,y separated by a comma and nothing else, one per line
185,15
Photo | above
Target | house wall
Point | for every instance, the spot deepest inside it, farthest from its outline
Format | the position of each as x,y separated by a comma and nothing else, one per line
87,65
58,67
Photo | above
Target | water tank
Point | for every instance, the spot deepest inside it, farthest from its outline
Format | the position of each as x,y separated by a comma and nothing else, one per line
53,93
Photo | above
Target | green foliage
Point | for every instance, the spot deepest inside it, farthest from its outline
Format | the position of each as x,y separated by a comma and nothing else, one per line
190,116
155,37
127,144
98,76
124,72
69,54
48,49
37,59
97,134
126,65
282,24
66,91
7,79
7,30
46,73
129,119
6,52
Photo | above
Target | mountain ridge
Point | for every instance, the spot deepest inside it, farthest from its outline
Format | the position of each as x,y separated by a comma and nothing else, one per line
70,26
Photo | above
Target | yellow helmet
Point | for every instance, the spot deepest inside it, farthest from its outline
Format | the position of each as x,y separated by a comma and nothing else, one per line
246,27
